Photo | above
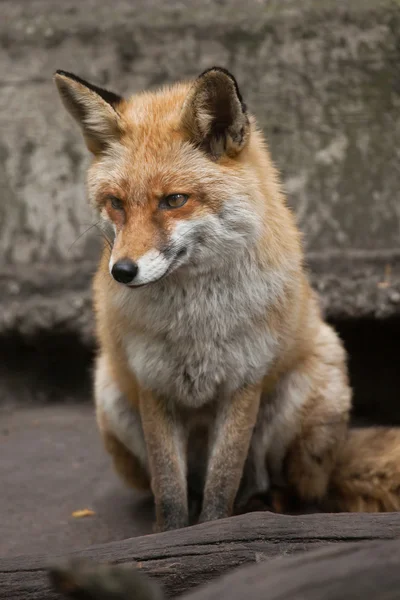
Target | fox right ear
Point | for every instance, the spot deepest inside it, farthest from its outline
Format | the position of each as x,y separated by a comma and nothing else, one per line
95,109
214,115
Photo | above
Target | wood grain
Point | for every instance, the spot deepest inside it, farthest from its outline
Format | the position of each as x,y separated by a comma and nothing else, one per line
184,559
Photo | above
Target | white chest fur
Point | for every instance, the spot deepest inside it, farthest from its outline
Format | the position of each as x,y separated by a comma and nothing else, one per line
201,335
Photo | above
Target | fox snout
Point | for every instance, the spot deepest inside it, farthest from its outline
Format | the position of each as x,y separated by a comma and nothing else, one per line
149,268
124,271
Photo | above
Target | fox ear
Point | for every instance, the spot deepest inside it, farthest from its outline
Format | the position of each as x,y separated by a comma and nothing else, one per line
95,109
214,114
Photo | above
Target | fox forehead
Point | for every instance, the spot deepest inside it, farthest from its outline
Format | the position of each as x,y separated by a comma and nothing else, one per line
158,108
137,174
152,156
150,124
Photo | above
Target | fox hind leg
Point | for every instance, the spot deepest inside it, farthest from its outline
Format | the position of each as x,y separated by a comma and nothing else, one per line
313,402
126,464
121,428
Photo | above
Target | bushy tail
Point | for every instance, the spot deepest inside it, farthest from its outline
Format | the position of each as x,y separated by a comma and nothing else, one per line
367,475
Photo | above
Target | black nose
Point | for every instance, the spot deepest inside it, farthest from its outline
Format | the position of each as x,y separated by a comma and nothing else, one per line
124,271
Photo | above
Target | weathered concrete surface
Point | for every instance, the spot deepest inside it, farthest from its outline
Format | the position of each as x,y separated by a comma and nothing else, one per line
322,76
351,285
62,447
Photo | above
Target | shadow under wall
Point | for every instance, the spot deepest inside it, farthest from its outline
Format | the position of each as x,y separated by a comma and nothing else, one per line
51,368
373,348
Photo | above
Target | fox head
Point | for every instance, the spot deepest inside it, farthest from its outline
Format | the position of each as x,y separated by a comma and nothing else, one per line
172,173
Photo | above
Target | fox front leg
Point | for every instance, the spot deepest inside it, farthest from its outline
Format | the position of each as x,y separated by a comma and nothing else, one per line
166,448
255,482
229,447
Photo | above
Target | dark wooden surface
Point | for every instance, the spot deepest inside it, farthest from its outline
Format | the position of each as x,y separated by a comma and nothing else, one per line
186,558
364,571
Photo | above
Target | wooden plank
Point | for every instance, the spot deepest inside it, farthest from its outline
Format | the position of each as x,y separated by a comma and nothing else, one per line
186,558
364,571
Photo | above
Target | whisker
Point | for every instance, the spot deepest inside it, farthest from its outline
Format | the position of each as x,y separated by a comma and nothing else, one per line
82,234
104,235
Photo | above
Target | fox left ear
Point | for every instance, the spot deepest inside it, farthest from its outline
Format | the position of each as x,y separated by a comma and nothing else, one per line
214,114
95,109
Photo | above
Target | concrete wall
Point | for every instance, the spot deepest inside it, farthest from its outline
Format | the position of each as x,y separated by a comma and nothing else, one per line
323,78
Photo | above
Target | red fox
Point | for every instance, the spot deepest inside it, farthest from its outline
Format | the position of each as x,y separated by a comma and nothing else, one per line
215,364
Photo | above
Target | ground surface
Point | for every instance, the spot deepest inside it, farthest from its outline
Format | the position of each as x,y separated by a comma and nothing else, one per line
52,463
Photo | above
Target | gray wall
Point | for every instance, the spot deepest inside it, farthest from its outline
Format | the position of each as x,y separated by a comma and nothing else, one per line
323,78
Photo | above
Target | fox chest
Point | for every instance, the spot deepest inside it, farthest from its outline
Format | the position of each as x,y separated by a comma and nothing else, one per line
193,349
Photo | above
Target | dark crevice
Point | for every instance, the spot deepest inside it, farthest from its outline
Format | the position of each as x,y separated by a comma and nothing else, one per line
373,348
45,368
52,368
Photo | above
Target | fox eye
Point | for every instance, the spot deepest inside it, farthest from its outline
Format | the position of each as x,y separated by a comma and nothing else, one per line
174,201
116,203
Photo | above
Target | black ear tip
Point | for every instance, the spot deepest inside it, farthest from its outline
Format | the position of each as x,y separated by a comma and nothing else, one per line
217,69
227,73
65,74
72,76
109,97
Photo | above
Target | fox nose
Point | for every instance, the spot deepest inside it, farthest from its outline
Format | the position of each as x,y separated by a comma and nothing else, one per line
124,271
